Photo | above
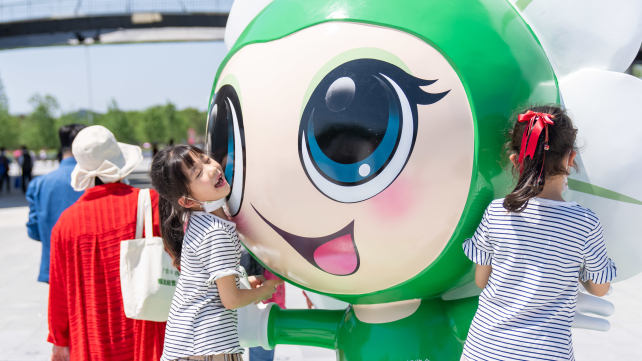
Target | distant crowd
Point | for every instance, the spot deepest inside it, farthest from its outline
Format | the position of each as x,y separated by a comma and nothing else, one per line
25,160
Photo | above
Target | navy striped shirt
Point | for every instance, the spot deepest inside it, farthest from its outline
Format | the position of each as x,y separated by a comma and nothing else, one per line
198,324
527,308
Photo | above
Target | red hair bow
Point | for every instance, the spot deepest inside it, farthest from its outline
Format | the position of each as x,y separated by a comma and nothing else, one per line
536,123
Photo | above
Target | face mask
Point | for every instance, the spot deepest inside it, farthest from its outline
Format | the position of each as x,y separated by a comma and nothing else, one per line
568,167
210,206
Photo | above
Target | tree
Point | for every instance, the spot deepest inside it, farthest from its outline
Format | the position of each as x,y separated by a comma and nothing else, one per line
194,119
176,126
72,118
39,130
153,126
4,102
8,123
119,123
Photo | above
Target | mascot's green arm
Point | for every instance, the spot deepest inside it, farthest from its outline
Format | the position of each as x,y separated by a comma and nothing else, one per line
304,327
321,328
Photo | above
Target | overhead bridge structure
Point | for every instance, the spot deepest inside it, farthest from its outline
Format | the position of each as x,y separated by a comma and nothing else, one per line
30,23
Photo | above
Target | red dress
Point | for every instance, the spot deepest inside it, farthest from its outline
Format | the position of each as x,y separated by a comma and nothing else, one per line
85,301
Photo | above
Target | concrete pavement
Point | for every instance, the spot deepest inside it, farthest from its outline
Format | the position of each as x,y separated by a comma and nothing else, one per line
23,301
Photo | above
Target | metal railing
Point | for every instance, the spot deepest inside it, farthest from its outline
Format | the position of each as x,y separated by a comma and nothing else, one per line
21,10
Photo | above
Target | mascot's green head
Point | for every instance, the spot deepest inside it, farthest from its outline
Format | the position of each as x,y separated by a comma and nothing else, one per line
362,139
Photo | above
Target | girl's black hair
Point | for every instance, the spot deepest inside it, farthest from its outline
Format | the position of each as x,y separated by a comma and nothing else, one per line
172,183
561,140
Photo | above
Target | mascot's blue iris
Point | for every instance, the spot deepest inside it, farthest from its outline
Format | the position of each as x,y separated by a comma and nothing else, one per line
352,121
229,165
359,170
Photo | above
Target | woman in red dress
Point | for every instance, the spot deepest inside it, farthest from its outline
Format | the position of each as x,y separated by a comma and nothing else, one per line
86,316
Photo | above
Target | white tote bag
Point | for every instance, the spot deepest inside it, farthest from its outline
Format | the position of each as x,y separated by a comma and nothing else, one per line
147,277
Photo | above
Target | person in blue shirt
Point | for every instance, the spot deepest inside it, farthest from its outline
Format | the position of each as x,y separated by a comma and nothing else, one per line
49,195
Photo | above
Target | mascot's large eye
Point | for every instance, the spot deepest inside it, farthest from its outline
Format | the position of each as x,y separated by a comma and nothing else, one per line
226,142
359,127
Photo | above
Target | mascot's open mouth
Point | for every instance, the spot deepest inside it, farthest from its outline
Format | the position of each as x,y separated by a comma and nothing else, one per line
335,254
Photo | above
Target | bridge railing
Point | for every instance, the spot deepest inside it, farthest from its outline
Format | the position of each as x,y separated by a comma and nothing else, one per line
23,10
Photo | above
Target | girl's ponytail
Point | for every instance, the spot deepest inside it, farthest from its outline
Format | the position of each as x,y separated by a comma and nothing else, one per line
544,159
171,183
518,199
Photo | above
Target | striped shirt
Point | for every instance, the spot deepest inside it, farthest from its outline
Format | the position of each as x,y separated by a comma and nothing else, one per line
527,308
198,323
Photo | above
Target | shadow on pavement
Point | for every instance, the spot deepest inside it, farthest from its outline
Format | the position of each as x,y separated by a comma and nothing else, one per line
14,199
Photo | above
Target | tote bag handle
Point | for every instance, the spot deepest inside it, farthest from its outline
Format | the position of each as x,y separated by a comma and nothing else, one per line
144,215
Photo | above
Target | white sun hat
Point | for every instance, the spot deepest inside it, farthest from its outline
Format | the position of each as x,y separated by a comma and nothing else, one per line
98,154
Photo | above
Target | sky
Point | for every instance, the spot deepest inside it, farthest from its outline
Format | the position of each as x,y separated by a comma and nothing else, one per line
135,75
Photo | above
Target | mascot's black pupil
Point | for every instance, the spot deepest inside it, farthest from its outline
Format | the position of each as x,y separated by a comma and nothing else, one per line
350,115
219,133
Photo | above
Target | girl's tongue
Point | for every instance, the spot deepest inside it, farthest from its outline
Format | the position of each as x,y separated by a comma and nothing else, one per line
220,182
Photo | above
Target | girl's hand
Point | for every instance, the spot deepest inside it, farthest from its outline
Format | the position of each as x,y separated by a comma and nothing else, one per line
273,283
232,297
256,281
268,287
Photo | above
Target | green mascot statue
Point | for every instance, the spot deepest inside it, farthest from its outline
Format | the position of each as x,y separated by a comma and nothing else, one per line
363,141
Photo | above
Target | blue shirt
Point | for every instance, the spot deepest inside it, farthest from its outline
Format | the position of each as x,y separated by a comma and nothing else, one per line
526,309
48,196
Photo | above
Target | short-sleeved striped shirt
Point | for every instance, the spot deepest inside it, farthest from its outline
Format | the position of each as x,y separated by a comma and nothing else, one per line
527,308
198,323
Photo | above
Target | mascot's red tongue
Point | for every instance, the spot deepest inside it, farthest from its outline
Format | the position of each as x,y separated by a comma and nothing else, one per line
337,256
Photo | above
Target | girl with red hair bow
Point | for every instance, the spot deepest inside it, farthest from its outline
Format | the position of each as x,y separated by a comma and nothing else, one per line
532,249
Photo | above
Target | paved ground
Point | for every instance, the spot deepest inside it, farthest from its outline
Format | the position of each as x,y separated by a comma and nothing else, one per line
23,302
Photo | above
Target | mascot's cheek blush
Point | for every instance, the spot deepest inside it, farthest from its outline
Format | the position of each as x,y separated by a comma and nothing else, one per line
337,256
398,201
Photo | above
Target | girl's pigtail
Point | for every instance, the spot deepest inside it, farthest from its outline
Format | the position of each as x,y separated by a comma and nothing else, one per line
171,183
171,229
